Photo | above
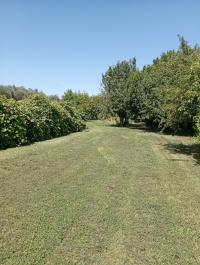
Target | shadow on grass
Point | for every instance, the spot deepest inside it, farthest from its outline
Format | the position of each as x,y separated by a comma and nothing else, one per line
137,126
192,150
143,127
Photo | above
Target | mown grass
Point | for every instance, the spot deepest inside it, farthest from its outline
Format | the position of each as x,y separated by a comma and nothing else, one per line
107,195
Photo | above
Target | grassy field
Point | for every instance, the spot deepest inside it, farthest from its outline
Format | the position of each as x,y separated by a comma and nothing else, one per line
104,196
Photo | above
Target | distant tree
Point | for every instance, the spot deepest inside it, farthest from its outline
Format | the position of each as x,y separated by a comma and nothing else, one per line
17,93
89,106
117,90
69,95
54,97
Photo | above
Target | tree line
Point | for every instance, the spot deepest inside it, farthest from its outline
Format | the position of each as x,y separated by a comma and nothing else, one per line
18,93
165,94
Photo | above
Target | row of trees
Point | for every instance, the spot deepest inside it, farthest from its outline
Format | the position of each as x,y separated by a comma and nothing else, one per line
17,93
165,94
36,118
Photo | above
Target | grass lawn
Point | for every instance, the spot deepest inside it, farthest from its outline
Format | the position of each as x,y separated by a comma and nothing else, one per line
104,196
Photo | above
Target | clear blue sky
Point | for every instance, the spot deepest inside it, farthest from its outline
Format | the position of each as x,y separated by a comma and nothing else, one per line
53,45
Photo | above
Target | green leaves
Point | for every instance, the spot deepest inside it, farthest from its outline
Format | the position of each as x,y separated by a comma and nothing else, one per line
117,89
197,125
171,89
90,107
12,124
34,119
165,94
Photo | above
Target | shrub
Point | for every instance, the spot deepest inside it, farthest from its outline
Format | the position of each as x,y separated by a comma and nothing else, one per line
73,119
37,112
48,119
90,107
12,124
197,125
36,118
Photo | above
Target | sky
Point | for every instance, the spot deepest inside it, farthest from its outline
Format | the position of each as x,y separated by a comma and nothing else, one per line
55,45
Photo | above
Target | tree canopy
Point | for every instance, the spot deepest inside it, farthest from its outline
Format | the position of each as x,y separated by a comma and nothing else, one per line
116,88
165,94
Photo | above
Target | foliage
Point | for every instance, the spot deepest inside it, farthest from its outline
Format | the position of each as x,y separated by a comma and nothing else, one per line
116,88
36,118
72,119
171,89
12,124
165,94
89,106
197,125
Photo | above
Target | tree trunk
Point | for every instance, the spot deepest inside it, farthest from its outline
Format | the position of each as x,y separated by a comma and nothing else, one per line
126,120
123,118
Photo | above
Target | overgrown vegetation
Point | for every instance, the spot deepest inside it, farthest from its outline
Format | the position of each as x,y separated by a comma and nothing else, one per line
36,118
91,107
165,94
27,115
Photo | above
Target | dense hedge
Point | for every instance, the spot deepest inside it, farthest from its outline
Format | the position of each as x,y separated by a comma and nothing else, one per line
12,124
36,118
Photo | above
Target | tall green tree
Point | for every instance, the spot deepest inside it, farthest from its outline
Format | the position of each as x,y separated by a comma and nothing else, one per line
171,90
117,90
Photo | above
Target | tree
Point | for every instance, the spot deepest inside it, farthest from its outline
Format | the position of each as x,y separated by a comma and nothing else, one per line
170,88
89,106
117,90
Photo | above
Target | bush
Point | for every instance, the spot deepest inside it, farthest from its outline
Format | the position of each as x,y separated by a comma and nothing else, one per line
48,119
37,113
12,124
197,125
72,119
34,119
90,107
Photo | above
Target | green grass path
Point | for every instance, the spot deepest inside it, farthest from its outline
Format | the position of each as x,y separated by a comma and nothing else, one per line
104,196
